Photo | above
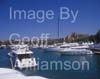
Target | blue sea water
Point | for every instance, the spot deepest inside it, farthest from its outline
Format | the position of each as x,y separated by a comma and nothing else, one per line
92,73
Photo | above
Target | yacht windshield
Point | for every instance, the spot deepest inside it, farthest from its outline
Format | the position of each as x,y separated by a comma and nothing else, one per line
21,56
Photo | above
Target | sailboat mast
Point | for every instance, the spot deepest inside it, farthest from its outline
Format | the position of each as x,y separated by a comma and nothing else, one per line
58,27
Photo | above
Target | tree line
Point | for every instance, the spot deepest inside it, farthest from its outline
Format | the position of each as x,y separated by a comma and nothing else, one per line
74,38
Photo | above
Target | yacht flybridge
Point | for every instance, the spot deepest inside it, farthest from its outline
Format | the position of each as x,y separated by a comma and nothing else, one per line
21,57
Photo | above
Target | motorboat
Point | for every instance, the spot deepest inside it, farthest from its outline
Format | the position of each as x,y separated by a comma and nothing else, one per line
69,48
21,57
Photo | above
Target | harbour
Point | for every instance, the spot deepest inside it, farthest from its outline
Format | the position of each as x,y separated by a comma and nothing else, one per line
58,74
50,39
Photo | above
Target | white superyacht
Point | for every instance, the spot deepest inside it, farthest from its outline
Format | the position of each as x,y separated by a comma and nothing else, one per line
69,48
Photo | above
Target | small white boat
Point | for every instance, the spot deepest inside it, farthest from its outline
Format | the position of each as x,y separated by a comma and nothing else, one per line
23,57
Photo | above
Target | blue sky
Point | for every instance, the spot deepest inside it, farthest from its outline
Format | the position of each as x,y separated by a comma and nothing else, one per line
88,19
